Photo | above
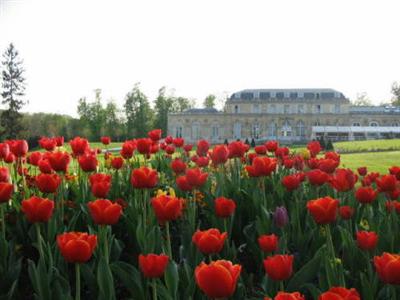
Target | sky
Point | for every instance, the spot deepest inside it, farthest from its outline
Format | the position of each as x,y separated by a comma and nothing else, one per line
196,48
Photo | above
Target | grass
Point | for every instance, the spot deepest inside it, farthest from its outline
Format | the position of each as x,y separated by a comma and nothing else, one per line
374,161
367,146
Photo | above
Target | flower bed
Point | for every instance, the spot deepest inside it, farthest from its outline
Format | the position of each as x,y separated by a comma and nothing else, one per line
160,221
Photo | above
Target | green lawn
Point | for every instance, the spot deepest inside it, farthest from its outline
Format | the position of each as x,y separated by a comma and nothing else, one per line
370,145
375,161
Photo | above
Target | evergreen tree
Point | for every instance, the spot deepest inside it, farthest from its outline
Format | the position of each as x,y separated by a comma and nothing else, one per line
13,90
163,106
139,115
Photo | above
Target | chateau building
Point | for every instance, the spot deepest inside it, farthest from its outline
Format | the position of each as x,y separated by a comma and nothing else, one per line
287,115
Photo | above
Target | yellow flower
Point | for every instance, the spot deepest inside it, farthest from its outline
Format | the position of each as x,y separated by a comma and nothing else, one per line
305,154
364,224
170,192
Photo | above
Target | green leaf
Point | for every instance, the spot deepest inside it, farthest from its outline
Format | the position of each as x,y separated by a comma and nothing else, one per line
308,272
130,278
172,278
105,281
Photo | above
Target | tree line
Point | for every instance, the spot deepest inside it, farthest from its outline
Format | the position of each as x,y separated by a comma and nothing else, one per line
96,117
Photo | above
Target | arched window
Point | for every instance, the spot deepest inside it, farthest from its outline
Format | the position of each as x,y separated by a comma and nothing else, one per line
236,109
196,131
255,131
178,131
272,132
215,131
357,124
300,129
374,124
237,130
286,128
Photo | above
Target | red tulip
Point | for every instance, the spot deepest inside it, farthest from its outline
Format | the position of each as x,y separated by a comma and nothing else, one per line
202,147
261,166
34,158
178,166
88,162
188,147
340,293
178,142
100,184
268,243
218,278
105,140
10,158
260,150
104,212
117,163
155,135
169,139
143,146
219,155
271,146
395,170
4,174
128,147
343,180
4,150
6,189
170,149
48,183
317,177
386,183
209,241
332,155
37,209
362,171
367,240
224,207
236,149
287,296
390,205
324,210
346,212
144,178
19,147
59,161
183,184
59,141
328,165
388,267
314,147
167,208
48,144
196,178
288,162
291,182
79,145
279,267
152,265
282,152
76,247
366,195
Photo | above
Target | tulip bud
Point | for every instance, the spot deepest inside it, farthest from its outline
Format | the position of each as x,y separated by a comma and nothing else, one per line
281,217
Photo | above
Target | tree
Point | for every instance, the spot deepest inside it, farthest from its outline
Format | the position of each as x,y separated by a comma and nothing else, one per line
396,94
163,106
139,115
113,123
209,102
362,100
13,90
180,104
92,115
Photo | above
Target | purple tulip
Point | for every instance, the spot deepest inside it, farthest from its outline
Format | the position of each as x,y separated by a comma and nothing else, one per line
281,216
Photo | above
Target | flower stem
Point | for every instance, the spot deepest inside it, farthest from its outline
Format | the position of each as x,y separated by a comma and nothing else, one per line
154,284
77,282
3,222
331,249
39,240
281,286
104,234
169,249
